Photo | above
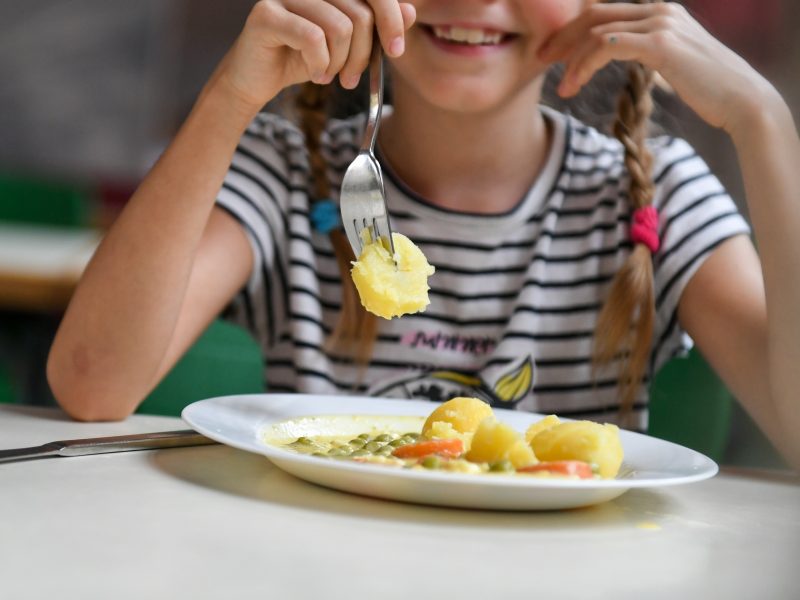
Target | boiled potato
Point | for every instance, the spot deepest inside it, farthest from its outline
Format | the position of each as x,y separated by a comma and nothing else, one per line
581,440
442,430
388,290
494,441
540,426
462,414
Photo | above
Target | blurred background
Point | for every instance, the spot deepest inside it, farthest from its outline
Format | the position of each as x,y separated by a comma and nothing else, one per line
92,90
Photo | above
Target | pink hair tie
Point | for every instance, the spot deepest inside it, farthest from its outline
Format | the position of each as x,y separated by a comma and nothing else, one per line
644,228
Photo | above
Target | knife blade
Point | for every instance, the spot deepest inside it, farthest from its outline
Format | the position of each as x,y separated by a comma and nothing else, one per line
102,445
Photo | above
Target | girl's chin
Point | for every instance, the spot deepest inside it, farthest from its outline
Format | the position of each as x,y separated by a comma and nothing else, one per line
463,101
464,94
478,90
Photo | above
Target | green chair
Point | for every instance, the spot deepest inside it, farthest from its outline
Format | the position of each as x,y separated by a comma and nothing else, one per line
7,390
33,201
689,405
225,360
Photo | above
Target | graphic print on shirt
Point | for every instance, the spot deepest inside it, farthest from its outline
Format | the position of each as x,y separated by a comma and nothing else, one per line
506,389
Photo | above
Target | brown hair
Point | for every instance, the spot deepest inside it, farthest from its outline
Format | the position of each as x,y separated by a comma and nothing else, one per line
625,324
356,329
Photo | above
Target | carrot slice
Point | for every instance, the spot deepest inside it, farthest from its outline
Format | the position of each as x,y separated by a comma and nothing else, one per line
576,468
451,447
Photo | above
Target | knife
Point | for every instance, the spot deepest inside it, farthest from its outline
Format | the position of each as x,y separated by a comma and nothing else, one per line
101,445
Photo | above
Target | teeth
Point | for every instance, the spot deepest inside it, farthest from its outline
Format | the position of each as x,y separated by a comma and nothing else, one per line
467,36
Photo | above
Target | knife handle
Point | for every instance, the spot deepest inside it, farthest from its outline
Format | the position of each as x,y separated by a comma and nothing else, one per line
42,451
101,445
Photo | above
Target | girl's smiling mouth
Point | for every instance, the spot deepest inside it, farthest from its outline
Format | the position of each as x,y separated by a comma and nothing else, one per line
466,40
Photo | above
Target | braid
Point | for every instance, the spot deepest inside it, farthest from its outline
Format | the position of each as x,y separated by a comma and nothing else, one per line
311,104
633,111
355,329
625,323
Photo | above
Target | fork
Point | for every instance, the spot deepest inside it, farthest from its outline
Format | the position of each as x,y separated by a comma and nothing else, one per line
362,200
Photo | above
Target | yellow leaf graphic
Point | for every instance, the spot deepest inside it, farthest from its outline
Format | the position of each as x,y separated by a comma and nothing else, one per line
513,386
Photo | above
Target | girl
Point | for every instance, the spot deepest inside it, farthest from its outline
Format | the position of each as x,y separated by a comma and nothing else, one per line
569,263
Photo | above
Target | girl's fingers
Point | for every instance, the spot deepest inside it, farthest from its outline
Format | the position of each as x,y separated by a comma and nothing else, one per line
601,36
363,21
561,43
364,24
285,27
332,36
624,46
390,21
337,28
349,27
409,14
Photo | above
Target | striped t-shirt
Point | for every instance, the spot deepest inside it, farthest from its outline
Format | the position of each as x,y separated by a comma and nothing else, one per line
515,296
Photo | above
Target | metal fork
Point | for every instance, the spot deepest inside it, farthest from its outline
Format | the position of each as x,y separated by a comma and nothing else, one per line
362,200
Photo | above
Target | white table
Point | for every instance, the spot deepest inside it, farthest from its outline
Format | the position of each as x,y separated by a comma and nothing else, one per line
215,522
40,266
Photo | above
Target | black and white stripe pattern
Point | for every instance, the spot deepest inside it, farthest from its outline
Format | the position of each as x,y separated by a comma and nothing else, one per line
529,283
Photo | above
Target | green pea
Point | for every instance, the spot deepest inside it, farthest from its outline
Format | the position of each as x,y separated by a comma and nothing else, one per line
373,446
501,466
431,462
360,453
398,442
364,436
356,443
384,437
303,440
385,450
338,452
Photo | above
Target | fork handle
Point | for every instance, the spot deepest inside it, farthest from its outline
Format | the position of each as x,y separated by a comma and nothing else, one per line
375,97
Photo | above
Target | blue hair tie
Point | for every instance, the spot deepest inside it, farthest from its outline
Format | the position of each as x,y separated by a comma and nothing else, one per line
325,216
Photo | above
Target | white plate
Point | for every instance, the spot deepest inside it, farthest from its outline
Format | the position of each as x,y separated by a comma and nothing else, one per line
241,422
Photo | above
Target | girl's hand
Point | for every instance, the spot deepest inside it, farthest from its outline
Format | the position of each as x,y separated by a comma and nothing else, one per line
715,82
285,42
